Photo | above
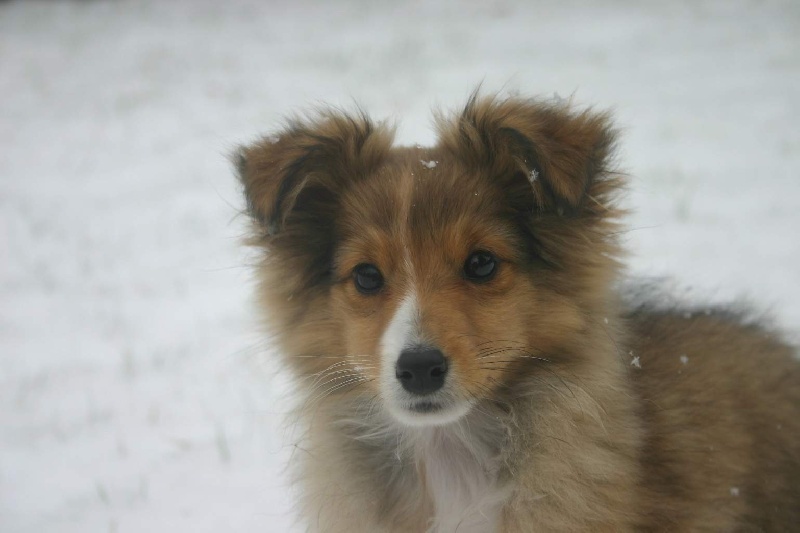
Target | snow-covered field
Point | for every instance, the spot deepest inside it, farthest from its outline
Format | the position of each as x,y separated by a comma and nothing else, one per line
135,394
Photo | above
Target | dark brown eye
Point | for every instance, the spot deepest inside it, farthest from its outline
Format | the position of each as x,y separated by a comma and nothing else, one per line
480,266
368,278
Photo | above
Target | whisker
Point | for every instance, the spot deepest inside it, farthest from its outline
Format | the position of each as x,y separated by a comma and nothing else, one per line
333,376
358,380
517,356
525,354
327,356
326,370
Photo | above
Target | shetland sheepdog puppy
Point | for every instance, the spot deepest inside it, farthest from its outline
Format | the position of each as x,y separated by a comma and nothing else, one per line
464,359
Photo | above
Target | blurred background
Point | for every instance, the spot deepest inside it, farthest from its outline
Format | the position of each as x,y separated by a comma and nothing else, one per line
136,393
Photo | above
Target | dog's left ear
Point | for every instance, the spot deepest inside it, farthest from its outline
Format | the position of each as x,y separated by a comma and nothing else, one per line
546,156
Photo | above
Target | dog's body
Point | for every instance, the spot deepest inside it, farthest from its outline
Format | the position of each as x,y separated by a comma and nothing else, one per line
465,362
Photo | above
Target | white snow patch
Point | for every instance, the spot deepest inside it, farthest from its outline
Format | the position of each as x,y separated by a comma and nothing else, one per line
429,164
684,359
533,175
635,362
735,492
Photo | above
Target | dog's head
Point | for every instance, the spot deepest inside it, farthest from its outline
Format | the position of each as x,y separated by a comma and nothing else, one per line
434,278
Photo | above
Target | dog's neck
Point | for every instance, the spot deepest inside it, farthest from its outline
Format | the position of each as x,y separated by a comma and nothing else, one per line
459,465
453,471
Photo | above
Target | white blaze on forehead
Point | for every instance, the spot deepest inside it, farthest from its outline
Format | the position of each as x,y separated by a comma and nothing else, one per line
403,329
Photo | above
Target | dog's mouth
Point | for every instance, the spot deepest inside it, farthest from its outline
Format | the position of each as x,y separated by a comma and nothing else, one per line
429,412
425,407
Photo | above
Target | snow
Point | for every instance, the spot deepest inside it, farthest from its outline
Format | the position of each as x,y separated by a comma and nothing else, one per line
137,392
684,360
635,362
429,164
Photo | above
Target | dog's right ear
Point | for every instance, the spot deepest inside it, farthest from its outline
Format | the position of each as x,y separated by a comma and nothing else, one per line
294,178
293,183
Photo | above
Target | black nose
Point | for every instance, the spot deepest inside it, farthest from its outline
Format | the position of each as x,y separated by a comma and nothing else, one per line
421,370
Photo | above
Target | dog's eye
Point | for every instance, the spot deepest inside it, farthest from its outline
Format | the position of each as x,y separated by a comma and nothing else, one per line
368,278
480,266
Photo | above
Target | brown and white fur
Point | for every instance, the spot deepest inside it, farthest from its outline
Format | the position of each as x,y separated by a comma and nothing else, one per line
562,407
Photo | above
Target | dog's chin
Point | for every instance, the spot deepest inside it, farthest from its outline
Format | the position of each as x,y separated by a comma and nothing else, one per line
424,412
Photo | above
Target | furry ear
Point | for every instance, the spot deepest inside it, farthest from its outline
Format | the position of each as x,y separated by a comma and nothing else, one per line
300,171
293,182
544,154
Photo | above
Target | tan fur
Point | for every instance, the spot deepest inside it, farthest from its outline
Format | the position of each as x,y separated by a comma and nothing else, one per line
564,433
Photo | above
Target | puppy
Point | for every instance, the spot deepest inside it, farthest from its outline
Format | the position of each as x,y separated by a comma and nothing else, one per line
464,361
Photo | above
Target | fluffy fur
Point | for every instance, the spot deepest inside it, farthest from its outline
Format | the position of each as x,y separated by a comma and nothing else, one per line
564,409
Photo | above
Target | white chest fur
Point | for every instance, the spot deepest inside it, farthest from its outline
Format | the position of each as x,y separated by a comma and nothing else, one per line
460,474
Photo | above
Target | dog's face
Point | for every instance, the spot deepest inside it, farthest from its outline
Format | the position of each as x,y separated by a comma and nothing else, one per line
427,278
430,280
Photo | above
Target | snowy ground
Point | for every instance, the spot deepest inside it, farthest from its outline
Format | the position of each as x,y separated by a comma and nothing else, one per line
133,392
